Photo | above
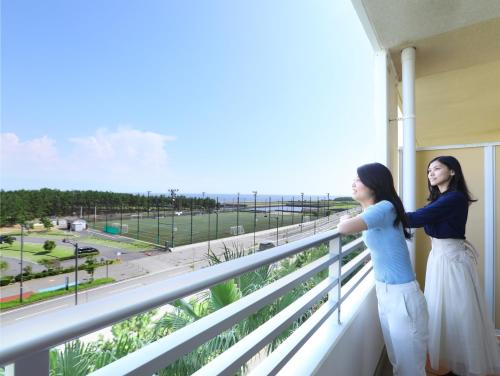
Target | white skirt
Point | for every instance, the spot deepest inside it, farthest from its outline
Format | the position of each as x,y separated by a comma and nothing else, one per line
461,333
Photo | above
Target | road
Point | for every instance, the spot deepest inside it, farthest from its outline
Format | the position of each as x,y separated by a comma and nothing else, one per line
149,269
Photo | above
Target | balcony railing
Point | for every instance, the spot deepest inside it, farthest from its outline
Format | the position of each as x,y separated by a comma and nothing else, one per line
24,347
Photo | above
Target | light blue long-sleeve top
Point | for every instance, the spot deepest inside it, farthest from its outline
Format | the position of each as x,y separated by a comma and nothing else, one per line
390,255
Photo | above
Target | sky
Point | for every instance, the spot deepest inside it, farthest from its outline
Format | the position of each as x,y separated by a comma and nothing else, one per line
215,96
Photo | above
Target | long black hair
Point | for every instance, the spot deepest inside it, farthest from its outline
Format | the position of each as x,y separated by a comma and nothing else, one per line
457,181
378,178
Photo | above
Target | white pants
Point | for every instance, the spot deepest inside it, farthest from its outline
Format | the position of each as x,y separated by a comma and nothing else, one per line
404,319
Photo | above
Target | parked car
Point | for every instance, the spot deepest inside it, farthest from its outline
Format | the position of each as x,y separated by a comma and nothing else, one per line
88,250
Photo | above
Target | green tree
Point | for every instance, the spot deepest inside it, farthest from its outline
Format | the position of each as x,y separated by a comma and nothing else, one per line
49,245
47,224
90,266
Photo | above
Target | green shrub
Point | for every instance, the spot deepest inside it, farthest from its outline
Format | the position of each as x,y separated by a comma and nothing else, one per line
49,245
5,280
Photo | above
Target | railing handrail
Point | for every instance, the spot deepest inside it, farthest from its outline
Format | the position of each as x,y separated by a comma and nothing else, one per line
21,339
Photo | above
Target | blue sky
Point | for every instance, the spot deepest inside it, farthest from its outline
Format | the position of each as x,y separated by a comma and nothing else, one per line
214,96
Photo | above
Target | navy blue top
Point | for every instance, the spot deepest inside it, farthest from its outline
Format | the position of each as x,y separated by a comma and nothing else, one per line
444,218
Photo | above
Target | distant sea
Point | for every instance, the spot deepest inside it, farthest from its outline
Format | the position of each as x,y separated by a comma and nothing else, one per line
230,197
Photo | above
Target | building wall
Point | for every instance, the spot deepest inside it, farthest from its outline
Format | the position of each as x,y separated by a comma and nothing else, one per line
472,161
497,195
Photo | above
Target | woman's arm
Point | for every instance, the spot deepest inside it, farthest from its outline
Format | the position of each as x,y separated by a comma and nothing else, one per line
437,211
351,225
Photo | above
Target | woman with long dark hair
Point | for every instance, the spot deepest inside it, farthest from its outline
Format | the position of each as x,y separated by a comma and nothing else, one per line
462,335
401,304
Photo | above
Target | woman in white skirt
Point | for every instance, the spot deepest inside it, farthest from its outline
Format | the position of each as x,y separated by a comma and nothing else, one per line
462,337
401,303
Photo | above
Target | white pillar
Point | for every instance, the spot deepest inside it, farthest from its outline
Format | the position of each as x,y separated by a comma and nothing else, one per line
409,181
381,106
489,228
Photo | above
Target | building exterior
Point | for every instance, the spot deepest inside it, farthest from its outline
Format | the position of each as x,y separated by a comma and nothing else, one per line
437,74
78,225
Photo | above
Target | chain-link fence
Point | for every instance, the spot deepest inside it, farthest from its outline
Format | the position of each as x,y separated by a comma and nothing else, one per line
187,223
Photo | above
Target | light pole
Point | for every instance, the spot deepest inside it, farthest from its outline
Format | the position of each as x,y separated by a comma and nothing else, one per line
172,193
269,207
281,210
76,267
21,280
216,224
209,228
148,202
217,219
191,226
302,212
238,214
254,214
158,222
328,205
277,230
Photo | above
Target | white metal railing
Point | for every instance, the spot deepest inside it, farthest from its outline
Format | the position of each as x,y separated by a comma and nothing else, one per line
24,347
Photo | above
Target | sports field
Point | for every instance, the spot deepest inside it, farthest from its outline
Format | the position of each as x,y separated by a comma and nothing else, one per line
159,230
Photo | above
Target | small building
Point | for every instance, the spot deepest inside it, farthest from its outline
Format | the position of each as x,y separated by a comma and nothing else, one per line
62,224
78,225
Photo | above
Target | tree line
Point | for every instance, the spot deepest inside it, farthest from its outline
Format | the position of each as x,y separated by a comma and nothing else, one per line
23,205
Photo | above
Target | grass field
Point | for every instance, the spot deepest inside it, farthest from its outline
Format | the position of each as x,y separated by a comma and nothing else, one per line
50,294
34,252
50,234
159,231
132,246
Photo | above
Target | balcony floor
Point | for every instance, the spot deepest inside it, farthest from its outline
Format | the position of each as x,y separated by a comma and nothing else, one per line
386,368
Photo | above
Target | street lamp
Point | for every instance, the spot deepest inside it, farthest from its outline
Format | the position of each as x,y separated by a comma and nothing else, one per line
209,228
148,202
21,280
76,267
269,224
172,193
328,205
217,219
277,230
238,214
302,212
254,214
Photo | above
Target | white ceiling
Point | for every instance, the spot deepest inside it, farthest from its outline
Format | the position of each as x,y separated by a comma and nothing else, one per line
399,22
457,63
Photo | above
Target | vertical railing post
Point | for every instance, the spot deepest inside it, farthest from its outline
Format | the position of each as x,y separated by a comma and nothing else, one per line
33,364
335,272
